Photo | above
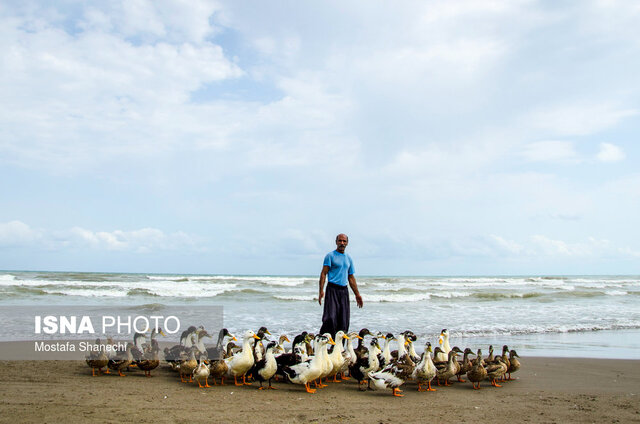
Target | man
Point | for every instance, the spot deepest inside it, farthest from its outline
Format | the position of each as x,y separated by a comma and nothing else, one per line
339,267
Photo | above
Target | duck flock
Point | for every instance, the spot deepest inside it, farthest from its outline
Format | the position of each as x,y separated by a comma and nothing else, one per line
311,361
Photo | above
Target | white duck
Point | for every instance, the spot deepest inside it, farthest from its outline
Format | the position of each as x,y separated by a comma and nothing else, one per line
336,356
310,370
445,347
202,372
241,362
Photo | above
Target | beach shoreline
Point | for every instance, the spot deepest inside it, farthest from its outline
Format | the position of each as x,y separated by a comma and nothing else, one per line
545,390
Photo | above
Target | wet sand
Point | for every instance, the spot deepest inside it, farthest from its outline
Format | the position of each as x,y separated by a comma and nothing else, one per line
546,390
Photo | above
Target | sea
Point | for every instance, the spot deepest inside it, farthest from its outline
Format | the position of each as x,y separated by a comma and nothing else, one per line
562,316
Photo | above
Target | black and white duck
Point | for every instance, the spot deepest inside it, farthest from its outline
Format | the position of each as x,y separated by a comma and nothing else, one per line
266,368
366,364
397,372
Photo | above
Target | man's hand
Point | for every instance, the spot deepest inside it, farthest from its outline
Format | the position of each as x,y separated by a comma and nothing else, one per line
359,301
320,296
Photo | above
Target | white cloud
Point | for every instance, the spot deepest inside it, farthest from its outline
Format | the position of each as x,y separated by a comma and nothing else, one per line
17,233
550,151
145,240
610,153
578,119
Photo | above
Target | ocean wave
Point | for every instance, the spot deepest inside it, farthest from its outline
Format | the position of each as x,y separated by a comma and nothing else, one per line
503,295
86,293
7,277
616,293
270,281
140,292
167,277
396,298
297,298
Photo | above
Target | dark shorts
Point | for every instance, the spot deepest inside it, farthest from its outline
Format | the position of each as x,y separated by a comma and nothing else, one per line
336,309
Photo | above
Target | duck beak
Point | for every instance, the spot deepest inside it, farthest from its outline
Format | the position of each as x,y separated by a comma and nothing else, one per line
286,339
256,337
234,339
346,337
358,336
267,331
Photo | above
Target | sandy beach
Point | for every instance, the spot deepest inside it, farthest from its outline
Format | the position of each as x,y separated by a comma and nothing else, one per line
546,390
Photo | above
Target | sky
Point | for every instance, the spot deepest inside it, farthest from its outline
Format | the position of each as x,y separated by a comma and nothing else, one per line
237,137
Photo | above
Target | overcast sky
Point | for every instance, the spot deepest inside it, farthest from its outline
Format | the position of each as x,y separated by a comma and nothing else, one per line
444,137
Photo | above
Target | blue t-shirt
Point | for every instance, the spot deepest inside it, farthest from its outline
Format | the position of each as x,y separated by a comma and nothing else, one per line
340,267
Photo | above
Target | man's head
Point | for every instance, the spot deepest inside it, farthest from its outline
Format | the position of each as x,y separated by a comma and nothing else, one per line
341,242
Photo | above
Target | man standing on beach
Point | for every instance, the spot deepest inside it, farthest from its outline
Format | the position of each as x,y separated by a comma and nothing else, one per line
339,267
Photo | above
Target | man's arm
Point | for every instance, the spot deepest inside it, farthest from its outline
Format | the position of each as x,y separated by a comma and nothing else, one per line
323,278
354,287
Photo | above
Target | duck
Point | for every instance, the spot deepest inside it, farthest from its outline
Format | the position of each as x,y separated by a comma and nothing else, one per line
327,364
150,359
514,363
201,372
258,348
308,344
217,352
310,370
122,360
186,334
266,368
362,350
366,364
505,359
280,346
218,368
477,373
187,365
297,355
465,365
496,370
349,353
396,373
445,348
385,356
425,370
241,362
411,351
176,353
336,356
198,342
490,358
97,360
448,369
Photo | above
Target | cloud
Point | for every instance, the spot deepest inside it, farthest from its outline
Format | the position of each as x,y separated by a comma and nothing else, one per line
145,240
17,233
578,119
610,153
550,151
